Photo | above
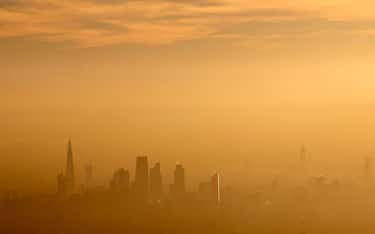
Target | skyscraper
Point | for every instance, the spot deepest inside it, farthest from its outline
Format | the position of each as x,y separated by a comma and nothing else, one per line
61,185
141,177
156,186
120,181
69,171
178,188
210,191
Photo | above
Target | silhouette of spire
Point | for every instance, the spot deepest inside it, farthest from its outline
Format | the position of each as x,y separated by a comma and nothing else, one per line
69,171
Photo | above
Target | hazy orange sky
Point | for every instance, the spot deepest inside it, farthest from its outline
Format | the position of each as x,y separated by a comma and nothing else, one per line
236,86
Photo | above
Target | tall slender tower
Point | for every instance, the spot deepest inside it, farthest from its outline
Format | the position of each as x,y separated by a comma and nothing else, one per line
69,171
215,182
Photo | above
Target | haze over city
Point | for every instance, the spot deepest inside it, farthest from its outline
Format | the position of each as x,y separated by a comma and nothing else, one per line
229,83
260,93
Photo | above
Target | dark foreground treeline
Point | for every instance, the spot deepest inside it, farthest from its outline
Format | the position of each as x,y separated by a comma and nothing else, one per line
299,210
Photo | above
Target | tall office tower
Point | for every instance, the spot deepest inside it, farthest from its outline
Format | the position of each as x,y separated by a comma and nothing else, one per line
88,176
178,188
156,185
141,177
120,181
69,172
215,183
368,170
210,191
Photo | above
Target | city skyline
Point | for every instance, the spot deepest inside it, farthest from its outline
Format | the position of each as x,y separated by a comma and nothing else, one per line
89,173
147,181
199,79
187,116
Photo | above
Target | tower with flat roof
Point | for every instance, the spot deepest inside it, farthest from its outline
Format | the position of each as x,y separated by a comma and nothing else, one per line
141,181
156,185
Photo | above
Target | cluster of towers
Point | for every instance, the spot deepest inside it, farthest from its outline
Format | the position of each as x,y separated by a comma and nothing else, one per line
147,184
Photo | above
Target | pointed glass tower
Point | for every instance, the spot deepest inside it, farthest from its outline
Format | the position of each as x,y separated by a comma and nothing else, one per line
69,171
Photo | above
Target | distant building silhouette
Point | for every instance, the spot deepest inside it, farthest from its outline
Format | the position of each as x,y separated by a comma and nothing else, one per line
210,191
69,171
368,168
120,181
61,185
141,177
66,183
156,185
178,187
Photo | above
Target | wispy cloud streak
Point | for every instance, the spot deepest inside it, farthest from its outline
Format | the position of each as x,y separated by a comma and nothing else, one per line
99,22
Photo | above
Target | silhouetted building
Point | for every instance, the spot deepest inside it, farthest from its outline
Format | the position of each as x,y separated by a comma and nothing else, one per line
61,185
120,181
66,183
69,171
210,191
178,187
156,185
141,177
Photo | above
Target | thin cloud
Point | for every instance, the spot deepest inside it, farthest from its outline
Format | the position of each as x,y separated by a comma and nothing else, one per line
99,22
182,2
